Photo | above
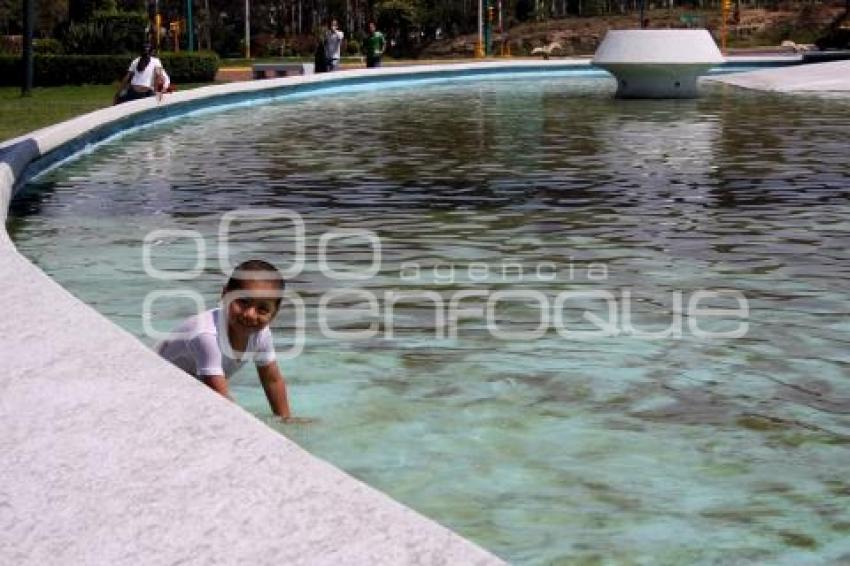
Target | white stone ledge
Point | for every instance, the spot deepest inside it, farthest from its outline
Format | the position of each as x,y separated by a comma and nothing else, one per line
815,77
113,456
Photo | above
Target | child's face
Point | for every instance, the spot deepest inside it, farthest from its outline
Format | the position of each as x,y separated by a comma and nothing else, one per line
253,307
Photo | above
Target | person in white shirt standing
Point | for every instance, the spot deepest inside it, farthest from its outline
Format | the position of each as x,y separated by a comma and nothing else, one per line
144,78
333,45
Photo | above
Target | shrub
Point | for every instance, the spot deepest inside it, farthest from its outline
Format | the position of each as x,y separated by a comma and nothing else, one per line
302,45
838,38
10,70
127,30
11,44
107,33
57,70
47,46
352,47
86,38
196,67
266,45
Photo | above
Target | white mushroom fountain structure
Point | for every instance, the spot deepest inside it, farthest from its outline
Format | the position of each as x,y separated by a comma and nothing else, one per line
657,63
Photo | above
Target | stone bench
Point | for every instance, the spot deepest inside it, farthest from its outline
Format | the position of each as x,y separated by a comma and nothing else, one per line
260,70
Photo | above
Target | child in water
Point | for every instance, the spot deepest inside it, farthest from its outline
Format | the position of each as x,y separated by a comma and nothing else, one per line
213,345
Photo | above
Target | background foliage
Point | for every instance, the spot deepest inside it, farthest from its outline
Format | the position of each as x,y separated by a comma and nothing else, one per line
290,27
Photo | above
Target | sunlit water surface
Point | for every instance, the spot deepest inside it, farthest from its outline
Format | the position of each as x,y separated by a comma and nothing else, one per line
628,447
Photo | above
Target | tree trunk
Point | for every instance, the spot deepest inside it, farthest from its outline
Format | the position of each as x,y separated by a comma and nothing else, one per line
208,26
29,24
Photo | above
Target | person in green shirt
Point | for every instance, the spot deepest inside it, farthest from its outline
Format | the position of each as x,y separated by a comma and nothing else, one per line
375,45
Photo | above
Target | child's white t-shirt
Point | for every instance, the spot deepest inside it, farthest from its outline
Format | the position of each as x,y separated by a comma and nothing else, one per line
145,77
194,346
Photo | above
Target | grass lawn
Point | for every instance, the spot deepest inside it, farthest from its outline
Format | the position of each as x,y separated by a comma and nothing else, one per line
49,105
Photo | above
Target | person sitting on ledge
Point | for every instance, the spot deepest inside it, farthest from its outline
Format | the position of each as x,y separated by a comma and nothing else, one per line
144,78
213,345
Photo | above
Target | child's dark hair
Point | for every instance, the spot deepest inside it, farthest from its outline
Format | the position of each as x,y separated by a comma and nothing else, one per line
144,58
254,270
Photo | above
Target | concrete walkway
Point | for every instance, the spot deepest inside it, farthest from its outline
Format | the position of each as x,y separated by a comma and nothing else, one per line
819,77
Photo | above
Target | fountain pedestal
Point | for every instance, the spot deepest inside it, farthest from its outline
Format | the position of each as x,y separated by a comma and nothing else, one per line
657,63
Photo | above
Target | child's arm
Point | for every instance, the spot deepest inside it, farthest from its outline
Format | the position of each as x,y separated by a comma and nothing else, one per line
275,387
217,383
158,83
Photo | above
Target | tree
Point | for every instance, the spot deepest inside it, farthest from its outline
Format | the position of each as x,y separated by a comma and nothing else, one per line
399,19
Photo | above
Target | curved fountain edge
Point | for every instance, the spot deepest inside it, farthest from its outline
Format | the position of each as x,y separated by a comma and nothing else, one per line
115,456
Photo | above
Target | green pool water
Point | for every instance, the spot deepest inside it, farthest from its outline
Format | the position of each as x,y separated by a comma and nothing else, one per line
623,448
